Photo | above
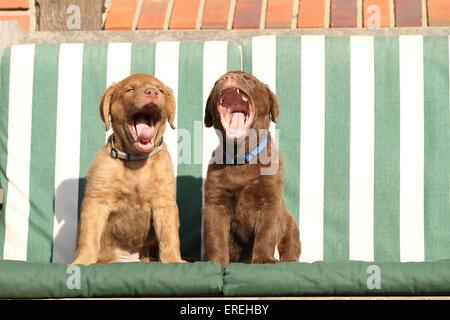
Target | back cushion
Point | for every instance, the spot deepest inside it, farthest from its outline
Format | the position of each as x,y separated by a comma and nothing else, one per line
50,131
364,129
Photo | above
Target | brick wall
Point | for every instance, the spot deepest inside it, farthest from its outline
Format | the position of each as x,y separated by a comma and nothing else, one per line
22,11
269,14
251,14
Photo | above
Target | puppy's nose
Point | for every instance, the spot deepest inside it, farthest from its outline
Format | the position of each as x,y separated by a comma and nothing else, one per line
228,76
151,91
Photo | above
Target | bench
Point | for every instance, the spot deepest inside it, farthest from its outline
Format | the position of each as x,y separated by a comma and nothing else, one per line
364,130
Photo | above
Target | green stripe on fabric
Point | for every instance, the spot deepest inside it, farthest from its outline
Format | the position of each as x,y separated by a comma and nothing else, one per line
4,107
288,93
387,150
437,148
337,149
92,128
143,58
247,56
234,57
42,161
189,179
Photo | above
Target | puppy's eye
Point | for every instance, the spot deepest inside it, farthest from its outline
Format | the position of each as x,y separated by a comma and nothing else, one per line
130,89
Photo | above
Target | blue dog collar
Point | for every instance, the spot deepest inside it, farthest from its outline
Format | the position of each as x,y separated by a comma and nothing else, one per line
249,156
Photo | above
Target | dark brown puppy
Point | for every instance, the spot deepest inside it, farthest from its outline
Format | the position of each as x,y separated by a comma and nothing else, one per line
245,217
129,211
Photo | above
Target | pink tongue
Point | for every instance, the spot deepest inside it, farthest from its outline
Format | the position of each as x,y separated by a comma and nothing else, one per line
144,132
237,120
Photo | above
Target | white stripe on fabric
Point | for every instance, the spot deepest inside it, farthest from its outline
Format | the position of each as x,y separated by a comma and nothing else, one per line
67,165
215,56
412,247
17,208
312,148
119,62
362,135
166,70
264,64
118,66
214,65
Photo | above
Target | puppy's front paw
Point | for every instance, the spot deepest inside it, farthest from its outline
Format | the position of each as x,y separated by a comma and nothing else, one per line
173,259
264,260
84,261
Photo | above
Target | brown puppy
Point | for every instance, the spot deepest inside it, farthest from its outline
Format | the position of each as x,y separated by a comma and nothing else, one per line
245,218
129,211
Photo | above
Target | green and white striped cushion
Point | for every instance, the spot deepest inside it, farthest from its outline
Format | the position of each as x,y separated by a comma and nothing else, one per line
50,131
364,130
365,133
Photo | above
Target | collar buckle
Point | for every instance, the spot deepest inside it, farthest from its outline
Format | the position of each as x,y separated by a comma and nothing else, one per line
114,153
117,154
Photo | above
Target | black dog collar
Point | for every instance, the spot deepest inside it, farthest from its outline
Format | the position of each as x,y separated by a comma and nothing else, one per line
117,154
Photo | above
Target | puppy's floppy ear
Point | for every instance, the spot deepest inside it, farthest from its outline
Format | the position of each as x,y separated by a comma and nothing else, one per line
274,106
171,106
105,105
209,106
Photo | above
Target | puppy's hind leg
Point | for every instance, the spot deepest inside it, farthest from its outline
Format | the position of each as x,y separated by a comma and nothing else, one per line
289,246
150,251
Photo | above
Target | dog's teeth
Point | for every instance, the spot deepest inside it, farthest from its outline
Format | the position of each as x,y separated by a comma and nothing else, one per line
244,99
238,91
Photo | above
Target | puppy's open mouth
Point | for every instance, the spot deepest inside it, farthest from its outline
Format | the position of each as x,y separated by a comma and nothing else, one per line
236,111
144,126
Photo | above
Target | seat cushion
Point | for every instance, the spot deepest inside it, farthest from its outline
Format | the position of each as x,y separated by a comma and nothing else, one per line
338,278
53,280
